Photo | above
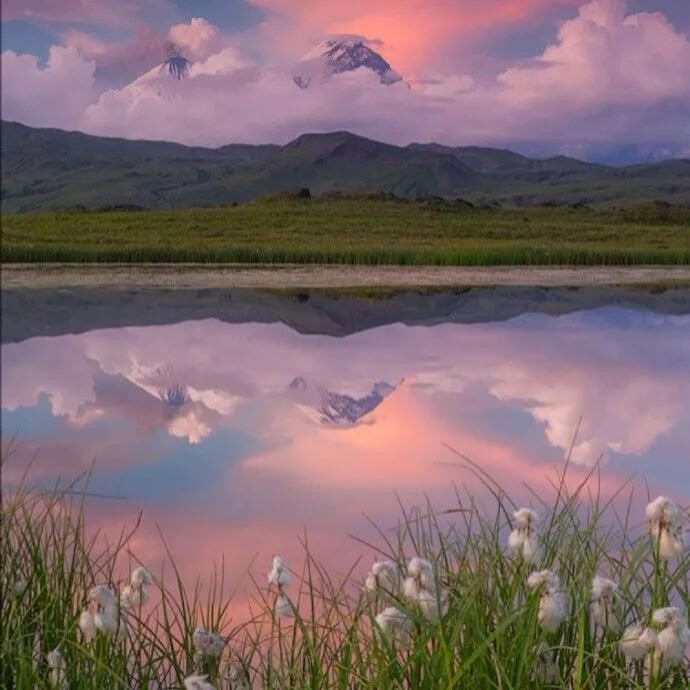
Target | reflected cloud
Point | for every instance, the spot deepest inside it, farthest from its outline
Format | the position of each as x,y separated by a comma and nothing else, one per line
236,438
614,376
118,393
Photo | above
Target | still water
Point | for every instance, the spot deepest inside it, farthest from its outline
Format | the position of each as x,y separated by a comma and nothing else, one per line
239,437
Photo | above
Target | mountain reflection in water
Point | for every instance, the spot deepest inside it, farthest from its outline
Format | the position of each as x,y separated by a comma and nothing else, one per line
235,438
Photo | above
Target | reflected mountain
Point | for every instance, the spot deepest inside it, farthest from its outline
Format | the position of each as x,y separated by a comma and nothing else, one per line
328,407
33,312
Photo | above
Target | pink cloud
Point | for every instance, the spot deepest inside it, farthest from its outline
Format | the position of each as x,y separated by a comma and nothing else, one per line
608,77
54,95
118,62
602,56
413,33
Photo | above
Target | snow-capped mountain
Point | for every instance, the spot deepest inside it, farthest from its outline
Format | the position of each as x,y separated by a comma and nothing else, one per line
337,56
328,407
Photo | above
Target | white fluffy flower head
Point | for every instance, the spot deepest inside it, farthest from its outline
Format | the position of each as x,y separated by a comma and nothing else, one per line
673,635
382,576
543,578
207,642
422,571
279,574
140,576
283,606
133,596
523,539
666,521
525,518
604,603
109,621
197,683
396,625
58,667
102,596
56,660
87,625
636,641
545,667
662,509
553,603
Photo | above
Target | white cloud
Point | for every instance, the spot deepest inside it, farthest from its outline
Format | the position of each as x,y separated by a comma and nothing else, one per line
52,95
608,77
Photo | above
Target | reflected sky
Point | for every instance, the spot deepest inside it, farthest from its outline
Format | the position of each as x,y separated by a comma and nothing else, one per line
236,438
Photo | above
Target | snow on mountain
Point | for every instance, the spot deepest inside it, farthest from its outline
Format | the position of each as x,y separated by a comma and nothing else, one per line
337,56
328,407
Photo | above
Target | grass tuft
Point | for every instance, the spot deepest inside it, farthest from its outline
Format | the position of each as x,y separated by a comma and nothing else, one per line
487,636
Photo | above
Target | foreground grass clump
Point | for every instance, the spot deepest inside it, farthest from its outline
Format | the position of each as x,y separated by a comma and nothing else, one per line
360,230
569,594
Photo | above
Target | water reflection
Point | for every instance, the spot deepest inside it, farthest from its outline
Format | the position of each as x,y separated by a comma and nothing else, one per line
235,438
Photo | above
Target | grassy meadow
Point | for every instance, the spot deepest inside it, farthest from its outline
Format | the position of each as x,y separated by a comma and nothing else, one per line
355,230
481,626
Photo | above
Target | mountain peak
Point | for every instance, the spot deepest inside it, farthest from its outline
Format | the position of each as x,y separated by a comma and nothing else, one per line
335,56
332,408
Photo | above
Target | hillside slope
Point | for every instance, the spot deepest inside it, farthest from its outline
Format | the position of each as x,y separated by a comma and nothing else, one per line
48,168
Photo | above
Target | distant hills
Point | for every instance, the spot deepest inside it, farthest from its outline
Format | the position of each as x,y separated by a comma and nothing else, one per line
46,169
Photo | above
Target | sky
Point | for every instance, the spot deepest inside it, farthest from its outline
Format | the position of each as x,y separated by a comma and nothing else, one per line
240,470
570,76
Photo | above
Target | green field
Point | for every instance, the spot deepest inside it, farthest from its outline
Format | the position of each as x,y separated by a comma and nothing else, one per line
355,230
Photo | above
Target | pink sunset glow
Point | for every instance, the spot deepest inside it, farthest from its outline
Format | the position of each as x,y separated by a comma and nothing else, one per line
243,469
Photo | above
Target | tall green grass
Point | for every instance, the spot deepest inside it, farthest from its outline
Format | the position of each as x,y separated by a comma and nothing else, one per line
488,638
363,231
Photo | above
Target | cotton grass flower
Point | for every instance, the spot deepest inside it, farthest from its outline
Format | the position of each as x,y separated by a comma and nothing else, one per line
140,577
58,670
382,576
102,596
419,588
420,577
523,539
207,642
238,678
422,571
107,617
432,604
545,667
604,604
636,641
553,602
197,683
135,595
283,606
666,527
110,622
279,574
20,585
87,625
396,625
671,639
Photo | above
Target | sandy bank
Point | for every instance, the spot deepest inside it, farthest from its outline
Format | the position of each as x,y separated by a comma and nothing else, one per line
327,276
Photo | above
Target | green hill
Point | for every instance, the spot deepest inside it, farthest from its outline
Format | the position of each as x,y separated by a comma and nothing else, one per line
48,168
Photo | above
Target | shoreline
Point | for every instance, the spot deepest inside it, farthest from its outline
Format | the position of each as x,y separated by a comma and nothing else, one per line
333,276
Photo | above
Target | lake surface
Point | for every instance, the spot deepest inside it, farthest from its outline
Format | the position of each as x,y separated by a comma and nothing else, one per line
237,422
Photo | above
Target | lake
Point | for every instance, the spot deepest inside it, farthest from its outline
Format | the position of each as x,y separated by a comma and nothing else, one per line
243,422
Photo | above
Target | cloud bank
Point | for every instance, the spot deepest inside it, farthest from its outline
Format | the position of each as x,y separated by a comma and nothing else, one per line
608,77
